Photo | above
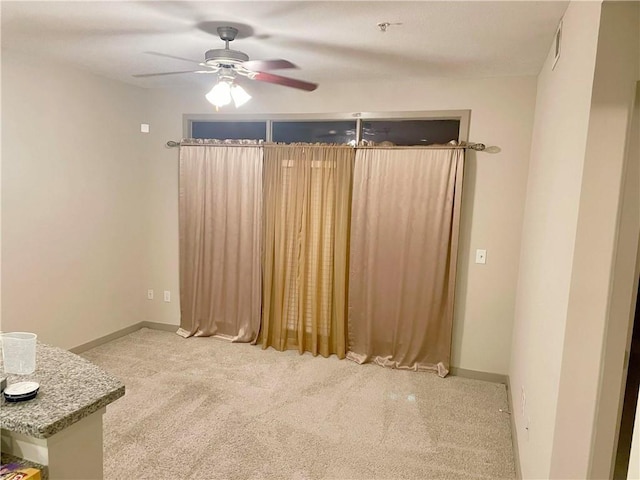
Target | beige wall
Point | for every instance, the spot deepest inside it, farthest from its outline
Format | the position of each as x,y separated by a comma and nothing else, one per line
619,327
85,239
548,236
592,318
501,115
74,205
565,309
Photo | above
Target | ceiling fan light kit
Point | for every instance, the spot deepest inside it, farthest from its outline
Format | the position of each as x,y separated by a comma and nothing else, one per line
224,91
228,64
239,95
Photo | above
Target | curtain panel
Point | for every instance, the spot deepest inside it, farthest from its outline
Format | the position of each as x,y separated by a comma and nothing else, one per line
220,212
404,240
306,234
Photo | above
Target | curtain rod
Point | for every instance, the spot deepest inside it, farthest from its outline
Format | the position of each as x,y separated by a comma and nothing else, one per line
467,146
473,146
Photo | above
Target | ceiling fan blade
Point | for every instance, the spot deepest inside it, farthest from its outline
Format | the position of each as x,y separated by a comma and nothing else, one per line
158,54
141,75
285,81
259,65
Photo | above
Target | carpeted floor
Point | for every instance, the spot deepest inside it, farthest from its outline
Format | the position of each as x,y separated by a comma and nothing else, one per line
204,408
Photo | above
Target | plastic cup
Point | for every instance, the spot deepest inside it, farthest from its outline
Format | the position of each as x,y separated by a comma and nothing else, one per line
19,352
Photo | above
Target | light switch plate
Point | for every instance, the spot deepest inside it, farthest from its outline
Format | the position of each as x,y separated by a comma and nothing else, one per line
481,256
144,127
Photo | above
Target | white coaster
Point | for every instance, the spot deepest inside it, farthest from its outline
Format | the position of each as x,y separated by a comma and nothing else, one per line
21,391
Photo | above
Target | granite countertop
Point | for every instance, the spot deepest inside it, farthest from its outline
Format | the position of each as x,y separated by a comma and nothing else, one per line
71,388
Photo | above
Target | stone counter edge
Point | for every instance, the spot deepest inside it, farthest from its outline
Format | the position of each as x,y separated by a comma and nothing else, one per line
49,430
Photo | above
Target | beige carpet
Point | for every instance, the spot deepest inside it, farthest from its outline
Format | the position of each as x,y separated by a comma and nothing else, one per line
205,408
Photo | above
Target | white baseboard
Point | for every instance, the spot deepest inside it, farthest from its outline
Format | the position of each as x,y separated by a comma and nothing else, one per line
476,375
121,333
166,327
107,338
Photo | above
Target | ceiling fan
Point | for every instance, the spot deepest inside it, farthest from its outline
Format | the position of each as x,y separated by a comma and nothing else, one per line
228,64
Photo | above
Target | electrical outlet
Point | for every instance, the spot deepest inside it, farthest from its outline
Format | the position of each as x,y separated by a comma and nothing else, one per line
150,294
167,296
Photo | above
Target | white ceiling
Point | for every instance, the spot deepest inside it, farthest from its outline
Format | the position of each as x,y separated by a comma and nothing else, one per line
327,40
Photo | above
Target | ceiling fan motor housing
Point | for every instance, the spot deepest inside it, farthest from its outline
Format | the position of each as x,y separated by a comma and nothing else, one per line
224,56
228,63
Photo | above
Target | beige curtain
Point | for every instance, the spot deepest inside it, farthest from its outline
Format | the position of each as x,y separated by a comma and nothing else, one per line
306,232
404,239
220,234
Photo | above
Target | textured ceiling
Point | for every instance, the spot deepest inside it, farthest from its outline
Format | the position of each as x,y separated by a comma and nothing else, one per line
336,40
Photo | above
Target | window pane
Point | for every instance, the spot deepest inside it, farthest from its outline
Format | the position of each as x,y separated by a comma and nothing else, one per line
312,132
411,132
229,130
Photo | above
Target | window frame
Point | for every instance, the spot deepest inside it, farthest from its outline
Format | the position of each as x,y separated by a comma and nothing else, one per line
244,120
463,116
354,121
